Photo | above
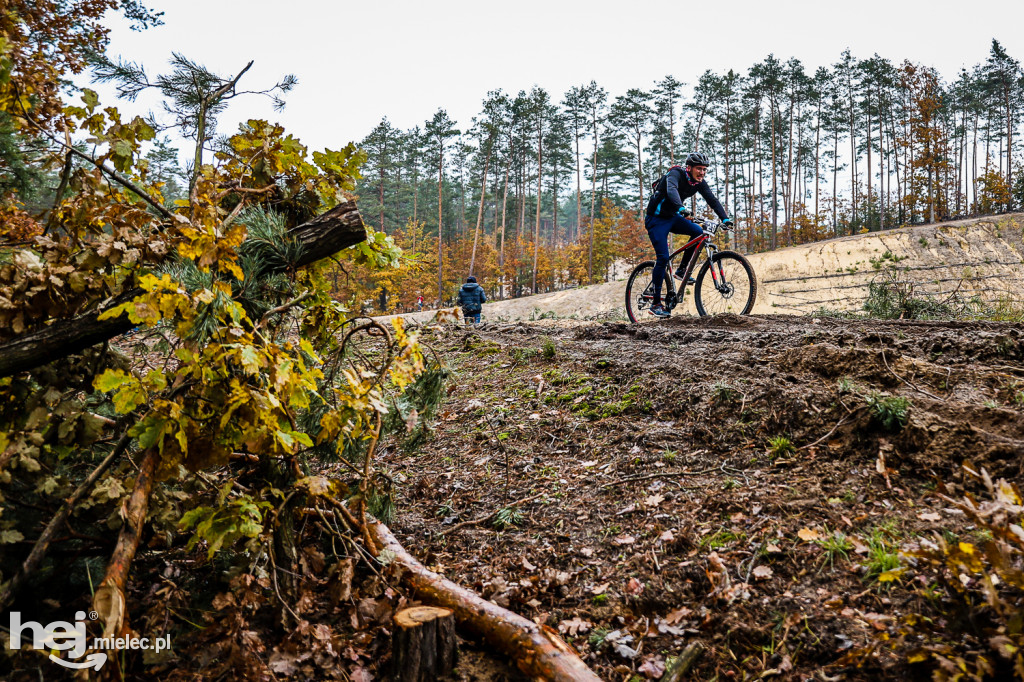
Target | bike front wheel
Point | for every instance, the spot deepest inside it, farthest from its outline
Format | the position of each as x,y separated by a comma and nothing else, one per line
725,284
640,291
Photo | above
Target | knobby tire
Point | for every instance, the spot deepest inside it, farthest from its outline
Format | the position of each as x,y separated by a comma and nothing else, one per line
740,285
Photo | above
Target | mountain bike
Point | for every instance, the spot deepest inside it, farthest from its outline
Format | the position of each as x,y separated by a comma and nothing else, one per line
730,288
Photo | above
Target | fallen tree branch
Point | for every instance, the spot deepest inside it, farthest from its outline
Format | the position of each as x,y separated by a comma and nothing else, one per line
834,429
282,308
43,543
661,474
109,599
537,651
908,382
683,664
319,238
485,519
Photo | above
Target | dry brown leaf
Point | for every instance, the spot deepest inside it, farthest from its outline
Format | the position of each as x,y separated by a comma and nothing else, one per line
574,626
654,500
653,668
634,586
808,535
763,572
341,582
679,614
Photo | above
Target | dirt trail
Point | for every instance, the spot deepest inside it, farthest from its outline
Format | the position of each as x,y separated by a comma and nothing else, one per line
665,509
983,257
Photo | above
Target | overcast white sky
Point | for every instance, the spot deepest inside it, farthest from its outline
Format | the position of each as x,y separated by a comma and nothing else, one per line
357,62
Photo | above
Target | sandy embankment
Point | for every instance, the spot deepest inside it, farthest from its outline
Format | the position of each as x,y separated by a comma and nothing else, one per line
983,257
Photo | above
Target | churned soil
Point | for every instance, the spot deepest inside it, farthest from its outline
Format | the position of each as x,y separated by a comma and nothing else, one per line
740,482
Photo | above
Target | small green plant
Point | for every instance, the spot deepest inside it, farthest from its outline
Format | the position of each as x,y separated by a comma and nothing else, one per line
720,538
722,393
381,504
845,385
923,242
890,411
1018,398
669,456
609,530
523,355
507,517
548,349
598,635
780,446
599,599
883,555
836,546
730,483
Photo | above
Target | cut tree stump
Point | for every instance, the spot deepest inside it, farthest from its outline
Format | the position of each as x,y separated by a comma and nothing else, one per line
423,644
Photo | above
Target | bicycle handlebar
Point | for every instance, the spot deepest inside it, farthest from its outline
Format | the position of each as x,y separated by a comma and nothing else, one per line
711,226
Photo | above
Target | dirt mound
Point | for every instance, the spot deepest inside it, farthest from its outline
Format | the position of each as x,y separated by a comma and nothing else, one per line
682,480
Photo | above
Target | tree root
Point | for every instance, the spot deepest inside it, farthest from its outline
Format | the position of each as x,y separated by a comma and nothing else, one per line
537,650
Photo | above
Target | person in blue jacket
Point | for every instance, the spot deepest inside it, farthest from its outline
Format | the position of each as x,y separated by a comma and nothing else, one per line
666,213
471,300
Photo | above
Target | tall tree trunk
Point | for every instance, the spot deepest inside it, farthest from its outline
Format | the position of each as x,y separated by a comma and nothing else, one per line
775,191
415,195
504,212
440,229
579,198
867,209
554,210
640,174
593,197
197,158
728,108
787,204
853,161
817,165
383,155
480,211
540,177
835,182
1009,145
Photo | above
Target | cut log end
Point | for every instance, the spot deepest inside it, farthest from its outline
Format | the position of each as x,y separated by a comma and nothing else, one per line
423,644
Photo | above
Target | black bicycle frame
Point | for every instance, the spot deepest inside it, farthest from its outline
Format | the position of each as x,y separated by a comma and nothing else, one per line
695,244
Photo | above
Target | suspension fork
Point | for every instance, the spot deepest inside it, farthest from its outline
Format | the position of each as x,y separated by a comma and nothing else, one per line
711,249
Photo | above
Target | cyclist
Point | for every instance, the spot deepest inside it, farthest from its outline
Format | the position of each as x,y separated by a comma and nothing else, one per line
666,213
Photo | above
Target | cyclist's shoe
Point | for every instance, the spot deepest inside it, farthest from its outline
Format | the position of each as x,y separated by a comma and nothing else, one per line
680,271
658,310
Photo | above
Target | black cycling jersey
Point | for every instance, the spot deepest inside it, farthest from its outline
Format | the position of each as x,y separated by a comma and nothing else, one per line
677,188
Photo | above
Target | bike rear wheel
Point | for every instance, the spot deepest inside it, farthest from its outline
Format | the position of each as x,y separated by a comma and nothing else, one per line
725,284
640,291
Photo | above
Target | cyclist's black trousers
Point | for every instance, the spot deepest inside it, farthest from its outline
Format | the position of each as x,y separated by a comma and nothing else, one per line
658,229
